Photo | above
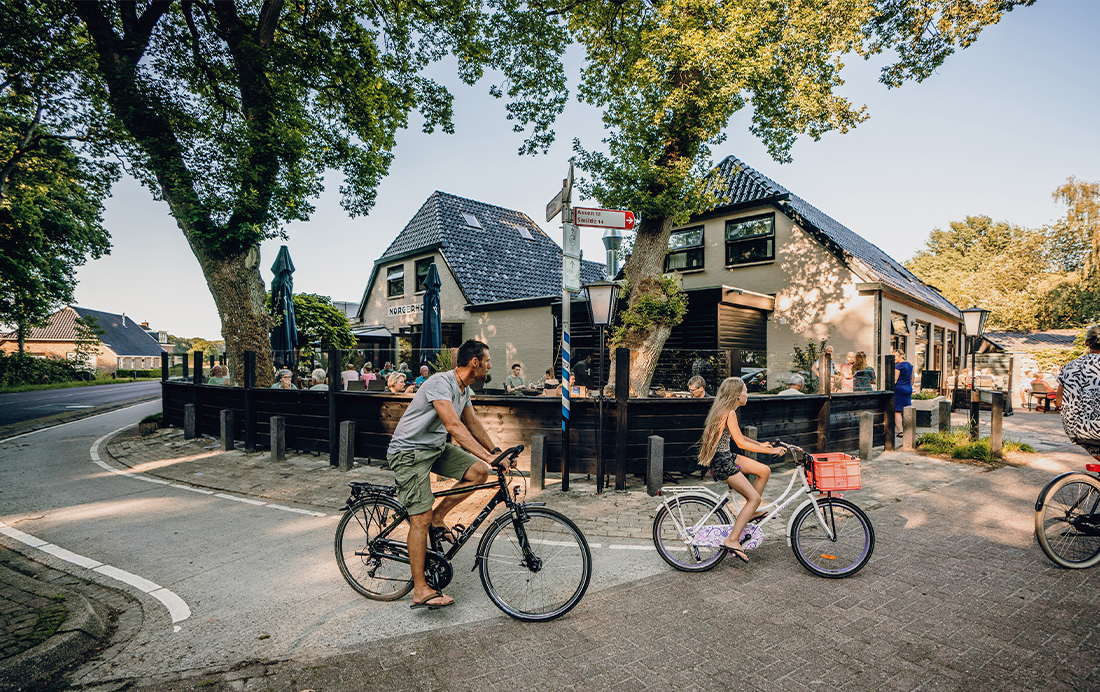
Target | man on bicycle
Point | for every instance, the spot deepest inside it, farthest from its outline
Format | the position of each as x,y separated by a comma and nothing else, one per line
419,447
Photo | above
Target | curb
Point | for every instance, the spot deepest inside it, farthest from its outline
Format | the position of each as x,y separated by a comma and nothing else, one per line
85,626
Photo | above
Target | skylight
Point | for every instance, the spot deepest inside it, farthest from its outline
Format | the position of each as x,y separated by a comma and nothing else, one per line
525,233
471,220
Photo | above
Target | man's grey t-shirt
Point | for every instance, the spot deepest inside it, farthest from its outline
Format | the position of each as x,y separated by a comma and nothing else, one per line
421,427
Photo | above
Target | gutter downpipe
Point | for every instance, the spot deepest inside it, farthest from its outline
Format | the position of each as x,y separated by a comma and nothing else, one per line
878,335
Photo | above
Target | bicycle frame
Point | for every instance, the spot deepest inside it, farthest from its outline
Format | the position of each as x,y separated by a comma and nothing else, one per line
777,505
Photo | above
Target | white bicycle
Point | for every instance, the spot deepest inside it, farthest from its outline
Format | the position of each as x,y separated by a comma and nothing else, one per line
830,536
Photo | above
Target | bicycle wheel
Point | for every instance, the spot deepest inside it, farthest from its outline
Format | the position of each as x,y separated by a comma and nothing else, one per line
844,554
372,574
552,585
674,545
1067,521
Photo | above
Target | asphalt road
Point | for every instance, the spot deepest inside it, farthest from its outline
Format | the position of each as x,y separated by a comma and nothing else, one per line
23,406
255,581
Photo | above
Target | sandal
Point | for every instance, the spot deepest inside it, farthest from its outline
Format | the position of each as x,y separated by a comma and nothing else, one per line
451,534
427,602
739,553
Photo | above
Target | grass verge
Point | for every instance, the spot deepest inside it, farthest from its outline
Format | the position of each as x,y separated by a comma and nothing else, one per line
956,443
67,385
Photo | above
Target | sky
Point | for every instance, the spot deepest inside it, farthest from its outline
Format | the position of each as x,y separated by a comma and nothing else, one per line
994,132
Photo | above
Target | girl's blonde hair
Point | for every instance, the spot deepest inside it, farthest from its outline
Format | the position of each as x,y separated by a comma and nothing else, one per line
725,400
861,361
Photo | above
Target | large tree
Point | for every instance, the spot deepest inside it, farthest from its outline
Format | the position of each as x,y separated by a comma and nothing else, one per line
231,111
669,75
52,181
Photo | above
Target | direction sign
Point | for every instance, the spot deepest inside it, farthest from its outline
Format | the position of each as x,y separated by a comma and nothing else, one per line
572,247
570,273
567,186
554,206
604,218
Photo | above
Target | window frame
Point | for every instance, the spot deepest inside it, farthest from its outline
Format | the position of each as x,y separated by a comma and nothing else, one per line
768,237
688,251
390,281
426,261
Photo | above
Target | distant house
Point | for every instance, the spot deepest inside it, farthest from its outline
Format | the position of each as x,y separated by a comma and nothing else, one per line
124,345
501,279
766,271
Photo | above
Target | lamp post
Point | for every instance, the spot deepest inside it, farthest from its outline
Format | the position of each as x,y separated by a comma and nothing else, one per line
601,298
974,323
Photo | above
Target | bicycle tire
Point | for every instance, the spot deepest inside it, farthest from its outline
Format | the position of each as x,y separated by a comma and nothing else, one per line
372,575
838,557
561,577
1061,506
675,547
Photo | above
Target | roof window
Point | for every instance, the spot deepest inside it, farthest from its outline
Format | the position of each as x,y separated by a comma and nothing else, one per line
472,221
525,233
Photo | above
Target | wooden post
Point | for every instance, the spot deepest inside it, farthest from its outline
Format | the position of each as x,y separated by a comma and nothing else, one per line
655,466
945,416
734,364
538,462
347,445
866,435
825,374
622,396
909,428
888,424
278,438
823,426
995,424
163,366
196,395
227,429
333,419
185,375
249,410
749,431
188,421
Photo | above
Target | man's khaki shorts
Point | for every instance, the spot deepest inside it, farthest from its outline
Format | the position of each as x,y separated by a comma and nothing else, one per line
411,469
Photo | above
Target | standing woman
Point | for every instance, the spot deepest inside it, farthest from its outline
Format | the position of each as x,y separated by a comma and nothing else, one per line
903,387
721,450
863,375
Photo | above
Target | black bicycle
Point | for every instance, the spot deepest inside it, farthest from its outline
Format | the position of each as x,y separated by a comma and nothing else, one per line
534,562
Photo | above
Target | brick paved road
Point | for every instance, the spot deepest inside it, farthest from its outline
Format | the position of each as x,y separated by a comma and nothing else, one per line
26,618
957,596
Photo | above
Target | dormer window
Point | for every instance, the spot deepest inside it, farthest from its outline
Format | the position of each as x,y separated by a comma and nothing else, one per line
395,281
685,250
471,220
750,240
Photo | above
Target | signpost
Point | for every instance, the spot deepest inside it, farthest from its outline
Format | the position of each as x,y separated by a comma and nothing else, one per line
604,218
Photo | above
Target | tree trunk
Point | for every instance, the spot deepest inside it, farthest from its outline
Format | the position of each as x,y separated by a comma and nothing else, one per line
239,294
21,333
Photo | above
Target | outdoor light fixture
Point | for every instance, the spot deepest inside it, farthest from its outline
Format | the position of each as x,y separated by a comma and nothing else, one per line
974,323
601,297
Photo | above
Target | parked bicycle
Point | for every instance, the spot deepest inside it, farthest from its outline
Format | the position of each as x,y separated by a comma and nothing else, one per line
1067,518
534,563
830,536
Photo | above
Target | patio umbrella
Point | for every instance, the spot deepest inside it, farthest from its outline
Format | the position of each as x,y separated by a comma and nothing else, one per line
284,336
431,339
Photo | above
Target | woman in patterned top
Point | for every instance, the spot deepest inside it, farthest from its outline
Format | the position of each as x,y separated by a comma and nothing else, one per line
720,449
1079,395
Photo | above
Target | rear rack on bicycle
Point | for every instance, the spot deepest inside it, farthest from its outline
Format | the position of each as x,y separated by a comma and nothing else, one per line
359,488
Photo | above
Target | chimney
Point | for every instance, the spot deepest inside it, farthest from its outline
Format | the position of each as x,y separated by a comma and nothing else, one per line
124,320
145,324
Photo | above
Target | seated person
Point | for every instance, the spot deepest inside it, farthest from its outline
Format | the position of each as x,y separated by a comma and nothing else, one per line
794,386
284,379
320,380
1041,378
367,373
396,383
513,384
218,375
550,380
863,375
349,375
425,373
384,373
582,373
1079,395
698,387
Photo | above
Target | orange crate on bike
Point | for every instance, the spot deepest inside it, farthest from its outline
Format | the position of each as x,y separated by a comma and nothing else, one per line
835,471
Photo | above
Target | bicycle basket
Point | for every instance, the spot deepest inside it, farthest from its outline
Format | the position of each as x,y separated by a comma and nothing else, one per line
834,471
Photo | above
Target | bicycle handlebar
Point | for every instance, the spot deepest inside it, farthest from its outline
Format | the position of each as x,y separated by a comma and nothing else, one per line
512,452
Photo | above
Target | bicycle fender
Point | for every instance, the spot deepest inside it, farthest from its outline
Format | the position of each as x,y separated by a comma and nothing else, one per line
1042,499
795,513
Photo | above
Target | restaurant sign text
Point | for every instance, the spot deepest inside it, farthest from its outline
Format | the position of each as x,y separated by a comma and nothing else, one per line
406,309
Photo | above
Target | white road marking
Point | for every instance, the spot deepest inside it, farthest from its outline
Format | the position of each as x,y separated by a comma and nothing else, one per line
630,547
62,425
130,473
177,607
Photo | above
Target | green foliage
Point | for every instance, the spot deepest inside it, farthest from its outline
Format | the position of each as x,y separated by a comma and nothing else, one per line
88,332
153,418
443,361
319,320
804,361
136,374
1075,239
957,444
17,370
655,302
925,395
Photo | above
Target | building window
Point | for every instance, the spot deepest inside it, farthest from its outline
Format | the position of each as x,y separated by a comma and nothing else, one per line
395,281
750,240
471,220
422,268
899,333
685,249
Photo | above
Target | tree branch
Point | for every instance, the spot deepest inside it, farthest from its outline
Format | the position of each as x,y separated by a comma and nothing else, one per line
269,19
20,151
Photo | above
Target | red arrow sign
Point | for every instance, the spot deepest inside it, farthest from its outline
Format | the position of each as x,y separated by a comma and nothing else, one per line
604,218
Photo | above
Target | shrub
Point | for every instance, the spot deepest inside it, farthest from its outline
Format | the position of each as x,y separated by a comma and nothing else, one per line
17,370
136,374
957,444
925,395
153,418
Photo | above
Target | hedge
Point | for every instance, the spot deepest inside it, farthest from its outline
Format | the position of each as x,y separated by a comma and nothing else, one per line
136,374
17,370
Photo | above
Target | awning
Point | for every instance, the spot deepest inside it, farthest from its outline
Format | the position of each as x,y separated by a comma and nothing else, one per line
372,331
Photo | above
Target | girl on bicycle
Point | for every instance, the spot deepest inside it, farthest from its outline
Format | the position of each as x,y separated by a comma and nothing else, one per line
721,451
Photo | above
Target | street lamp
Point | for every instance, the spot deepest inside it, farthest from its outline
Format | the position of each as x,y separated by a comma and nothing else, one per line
974,323
601,297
